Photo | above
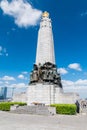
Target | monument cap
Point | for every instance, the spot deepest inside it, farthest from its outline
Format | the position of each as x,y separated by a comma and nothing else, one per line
45,14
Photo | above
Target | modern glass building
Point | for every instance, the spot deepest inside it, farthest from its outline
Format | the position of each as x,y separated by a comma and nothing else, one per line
3,93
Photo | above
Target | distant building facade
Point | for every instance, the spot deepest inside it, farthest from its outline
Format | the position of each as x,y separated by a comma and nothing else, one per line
3,93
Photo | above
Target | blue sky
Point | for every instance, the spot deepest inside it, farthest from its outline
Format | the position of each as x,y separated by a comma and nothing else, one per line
19,24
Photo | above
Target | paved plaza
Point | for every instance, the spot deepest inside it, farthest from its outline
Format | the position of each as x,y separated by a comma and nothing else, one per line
11,121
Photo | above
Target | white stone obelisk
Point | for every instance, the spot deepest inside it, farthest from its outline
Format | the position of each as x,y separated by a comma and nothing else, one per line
45,44
45,83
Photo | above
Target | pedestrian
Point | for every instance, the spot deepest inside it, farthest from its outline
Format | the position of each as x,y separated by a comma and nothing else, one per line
78,106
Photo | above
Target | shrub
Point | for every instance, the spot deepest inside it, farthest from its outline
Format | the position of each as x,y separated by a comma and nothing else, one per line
68,109
18,103
5,106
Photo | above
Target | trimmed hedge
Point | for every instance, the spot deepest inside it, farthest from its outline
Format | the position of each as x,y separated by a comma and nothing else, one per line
5,106
18,103
68,109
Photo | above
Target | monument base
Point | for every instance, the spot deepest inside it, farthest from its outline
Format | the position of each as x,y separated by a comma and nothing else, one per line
49,94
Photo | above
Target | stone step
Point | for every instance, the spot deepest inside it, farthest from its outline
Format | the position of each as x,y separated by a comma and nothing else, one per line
39,110
84,110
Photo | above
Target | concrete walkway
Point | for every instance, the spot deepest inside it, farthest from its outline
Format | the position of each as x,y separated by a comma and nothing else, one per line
10,121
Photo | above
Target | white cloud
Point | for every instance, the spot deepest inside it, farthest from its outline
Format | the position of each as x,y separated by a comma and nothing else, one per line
3,51
25,72
75,66
7,78
6,82
21,76
19,85
23,13
62,71
79,84
0,48
1,82
67,83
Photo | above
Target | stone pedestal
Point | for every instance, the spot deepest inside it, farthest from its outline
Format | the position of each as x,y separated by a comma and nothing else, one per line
49,94
40,93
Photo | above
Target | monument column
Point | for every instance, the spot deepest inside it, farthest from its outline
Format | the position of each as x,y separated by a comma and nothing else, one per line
45,70
45,44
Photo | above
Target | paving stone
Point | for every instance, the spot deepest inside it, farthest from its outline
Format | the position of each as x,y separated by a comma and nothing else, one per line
12,121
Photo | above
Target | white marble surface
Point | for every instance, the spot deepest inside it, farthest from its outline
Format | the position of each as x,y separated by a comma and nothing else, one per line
45,44
49,94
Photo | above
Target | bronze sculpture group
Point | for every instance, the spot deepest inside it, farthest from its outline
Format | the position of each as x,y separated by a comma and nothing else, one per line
46,73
